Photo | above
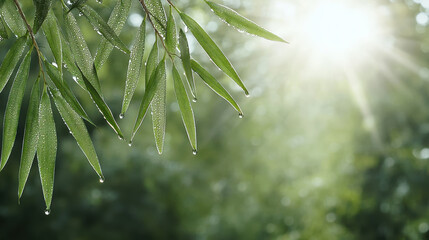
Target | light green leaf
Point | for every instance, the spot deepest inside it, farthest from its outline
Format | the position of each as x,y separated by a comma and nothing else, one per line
102,107
65,91
10,60
171,38
159,112
13,19
52,33
31,136
42,9
157,15
103,28
214,85
116,22
134,66
78,130
152,61
186,61
185,108
13,107
212,50
241,23
81,51
150,91
3,29
46,148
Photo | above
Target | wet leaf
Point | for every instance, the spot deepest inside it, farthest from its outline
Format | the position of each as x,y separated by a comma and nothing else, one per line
42,9
159,112
241,23
152,62
10,60
69,62
171,38
134,66
157,15
78,129
214,85
3,29
149,94
116,22
31,137
212,50
185,108
186,61
46,148
13,108
103,28
76,4
12,18
52,33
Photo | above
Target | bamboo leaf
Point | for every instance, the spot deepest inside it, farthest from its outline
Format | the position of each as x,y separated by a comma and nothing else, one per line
13,107
65,91
134,66
46,148
3,29
152,62
185,56
171,38
52,33
10,60
212,50
103,28
78,130
102,107
185,108
31,137
69,62
42,9
159,112
214,85
12,18
241,23
157,15
150,91
76,4
116,22
81,51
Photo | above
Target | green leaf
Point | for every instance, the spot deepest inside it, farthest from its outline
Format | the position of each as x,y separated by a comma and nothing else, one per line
212,50
78,130
214,85
241,23
3,29
157,15
185,108
185,56
13,107
10,60
159,112
102,107
103,28
76,4
65,91
80,51
52,33
134,66
116,22
152,61
171,38
13,19
69,62
31,137
46,148
42,9
150,91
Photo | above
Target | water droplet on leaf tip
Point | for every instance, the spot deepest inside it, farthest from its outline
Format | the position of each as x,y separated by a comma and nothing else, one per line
47,212
194,152
101,180
130,143
247,94
121,116
194,100
240,115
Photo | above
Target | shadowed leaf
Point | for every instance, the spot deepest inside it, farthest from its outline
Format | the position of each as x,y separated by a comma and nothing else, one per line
10,60
42,9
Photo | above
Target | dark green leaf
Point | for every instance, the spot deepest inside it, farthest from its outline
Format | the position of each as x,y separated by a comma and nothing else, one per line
212,50
42,9
10,60
76,4
159,112
52,33
12,18
152,62
157,15
171,38
186,61
3,29
69,62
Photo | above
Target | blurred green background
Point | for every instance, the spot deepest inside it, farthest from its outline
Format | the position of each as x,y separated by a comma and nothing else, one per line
334,143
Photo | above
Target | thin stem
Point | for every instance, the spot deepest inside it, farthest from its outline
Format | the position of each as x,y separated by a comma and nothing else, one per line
169,1
30,31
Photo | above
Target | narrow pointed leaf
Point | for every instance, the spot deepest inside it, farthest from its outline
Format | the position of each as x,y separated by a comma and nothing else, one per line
42,9
134,66
12,18
241,23
157,15
150,91
13,107
3,29
185,56
65,91
185,108
171,38
102,27
69,62
214,84
81,51
10,60
102,107
31,137
116,22
78,129
46,148
76,4
159,112
152,62
52,33
212,50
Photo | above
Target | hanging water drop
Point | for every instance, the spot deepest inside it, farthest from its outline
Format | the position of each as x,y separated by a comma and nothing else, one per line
194,152
99,1
121,116
240,115
130,143
47,212
194,99
55,64
101,180
247,94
